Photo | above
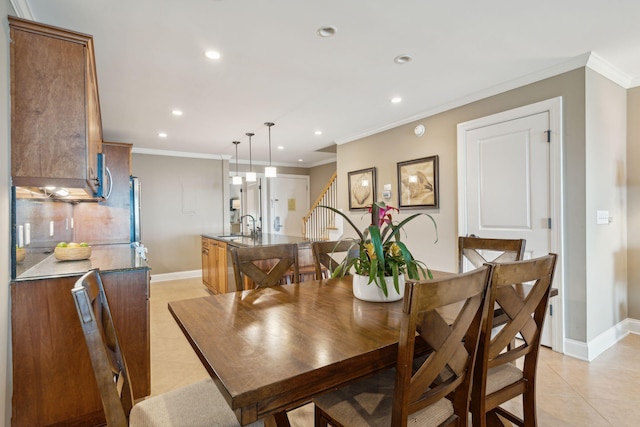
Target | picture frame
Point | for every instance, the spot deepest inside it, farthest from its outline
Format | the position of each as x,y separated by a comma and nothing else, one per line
418,183
362,188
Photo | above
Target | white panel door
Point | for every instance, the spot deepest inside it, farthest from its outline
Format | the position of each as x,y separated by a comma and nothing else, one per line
507,186
507,182
288,203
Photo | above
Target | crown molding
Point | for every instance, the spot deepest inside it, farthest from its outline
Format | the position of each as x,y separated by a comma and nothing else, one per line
588,59
610,71
22,9
170,153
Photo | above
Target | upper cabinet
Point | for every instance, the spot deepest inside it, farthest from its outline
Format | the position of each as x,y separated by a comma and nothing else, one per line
56,129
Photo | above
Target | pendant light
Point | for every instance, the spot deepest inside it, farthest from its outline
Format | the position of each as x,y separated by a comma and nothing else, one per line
251,175
237,179
270,171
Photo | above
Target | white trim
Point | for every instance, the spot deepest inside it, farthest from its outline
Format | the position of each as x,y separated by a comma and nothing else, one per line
608,70
170,153
554,107
22,9
563,67
594,348
589,59
175,276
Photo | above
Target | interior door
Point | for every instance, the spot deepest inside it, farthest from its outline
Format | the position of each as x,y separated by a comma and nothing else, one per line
287,204
506,180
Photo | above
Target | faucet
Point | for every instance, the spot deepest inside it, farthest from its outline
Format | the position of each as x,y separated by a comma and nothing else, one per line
253,231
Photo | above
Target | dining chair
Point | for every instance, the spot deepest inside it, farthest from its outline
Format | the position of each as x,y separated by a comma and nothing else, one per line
477,251
497,376
324,255
424,391
265,266
198,404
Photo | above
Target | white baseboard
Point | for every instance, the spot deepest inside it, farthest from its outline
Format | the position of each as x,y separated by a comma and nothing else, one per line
175,276
594,348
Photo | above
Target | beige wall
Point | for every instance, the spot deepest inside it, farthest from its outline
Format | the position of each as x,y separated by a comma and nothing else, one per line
319,177
181,199
633,194
5,321
385,149
606,245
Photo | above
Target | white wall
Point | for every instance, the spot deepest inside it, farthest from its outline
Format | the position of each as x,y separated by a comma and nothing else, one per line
606,142
181,198
5,240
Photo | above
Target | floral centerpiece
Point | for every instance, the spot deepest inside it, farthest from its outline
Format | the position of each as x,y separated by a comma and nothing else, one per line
382,253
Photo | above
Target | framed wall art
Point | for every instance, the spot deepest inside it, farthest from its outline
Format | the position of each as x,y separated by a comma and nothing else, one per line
362,188
418,183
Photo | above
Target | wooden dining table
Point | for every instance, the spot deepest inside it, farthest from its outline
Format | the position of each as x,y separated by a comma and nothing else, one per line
273,349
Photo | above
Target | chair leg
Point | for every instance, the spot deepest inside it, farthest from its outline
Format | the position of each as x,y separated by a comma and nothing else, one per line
320,420
529,408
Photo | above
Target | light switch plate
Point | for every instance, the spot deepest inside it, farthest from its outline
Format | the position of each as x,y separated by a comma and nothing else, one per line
602,217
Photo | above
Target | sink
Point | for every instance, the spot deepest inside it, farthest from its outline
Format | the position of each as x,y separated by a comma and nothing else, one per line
231,237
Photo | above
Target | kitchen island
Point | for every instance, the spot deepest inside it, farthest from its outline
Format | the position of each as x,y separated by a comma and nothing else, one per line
217,267
50,359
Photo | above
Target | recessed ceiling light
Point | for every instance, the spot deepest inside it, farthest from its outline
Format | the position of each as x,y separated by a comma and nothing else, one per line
300,160
162,134
280,147
212,54
318,132
176,112
328,31
402,59
396,100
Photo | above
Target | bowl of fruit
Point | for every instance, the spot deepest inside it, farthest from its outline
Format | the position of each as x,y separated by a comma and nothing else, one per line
72,251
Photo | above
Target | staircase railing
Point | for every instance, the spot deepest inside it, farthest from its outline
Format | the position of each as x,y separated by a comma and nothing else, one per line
318,223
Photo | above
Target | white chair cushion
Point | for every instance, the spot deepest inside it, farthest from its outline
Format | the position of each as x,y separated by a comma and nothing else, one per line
196,405
502,376
368,402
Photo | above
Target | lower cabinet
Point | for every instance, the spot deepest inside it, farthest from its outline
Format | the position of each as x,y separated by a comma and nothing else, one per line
53,382
214,265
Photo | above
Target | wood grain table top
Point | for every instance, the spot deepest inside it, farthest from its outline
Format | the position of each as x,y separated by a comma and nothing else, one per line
275,348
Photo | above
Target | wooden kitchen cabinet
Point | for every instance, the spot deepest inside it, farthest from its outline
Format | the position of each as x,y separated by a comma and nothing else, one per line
214,265
206,264
56,129
53,381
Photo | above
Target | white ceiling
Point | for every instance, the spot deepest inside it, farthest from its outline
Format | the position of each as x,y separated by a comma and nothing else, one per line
274,66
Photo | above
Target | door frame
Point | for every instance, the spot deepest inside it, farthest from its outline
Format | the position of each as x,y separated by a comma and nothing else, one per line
554,108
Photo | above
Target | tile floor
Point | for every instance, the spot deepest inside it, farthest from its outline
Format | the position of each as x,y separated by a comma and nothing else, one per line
605,392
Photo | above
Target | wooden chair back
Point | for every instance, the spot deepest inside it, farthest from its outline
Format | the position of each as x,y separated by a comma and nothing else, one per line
265,266
525,318
447,370
107,360
476,250
324,255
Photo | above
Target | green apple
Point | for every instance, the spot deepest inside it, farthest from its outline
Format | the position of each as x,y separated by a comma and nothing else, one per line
62,245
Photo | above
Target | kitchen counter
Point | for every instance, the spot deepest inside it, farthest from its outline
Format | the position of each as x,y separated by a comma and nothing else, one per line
261,240
119,257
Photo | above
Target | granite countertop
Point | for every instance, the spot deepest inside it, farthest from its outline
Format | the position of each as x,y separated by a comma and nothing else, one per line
262,240
105,257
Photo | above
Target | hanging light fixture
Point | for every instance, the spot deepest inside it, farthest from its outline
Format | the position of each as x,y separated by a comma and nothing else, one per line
237,179
251,175
270,171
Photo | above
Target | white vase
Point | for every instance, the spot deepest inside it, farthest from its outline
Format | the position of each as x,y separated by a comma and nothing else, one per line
366,291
